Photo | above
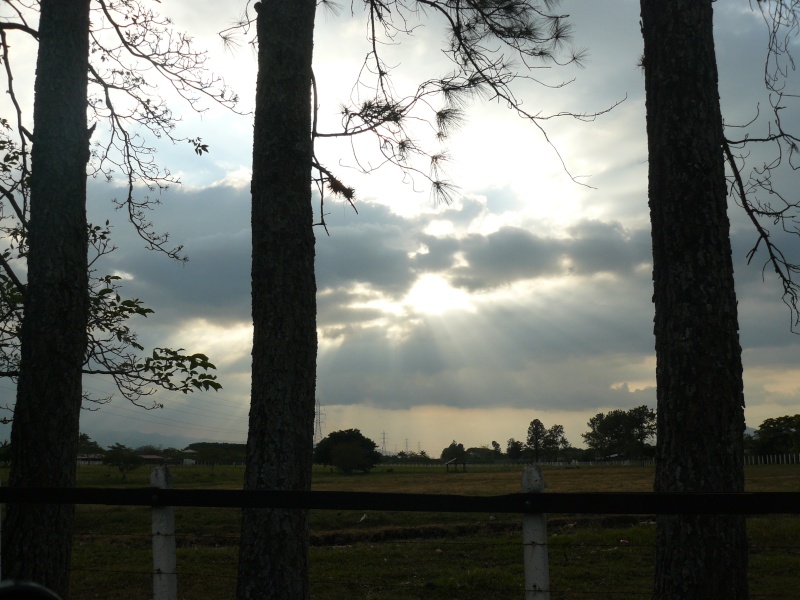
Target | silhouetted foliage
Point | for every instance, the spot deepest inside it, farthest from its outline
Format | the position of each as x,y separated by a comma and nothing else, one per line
545,443
481,454
514,449
412,457
621,432
123,458
454,451
5,452
87,445
347,450
554,443
779,435
218,452
536,431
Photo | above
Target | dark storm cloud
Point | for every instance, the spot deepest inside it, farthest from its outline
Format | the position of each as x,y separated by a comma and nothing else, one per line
601,247
570,347
364,263
440,254
213,227
558,319
382,251
570,383
505,256
370,247
765,321
512,254
338,317
559,350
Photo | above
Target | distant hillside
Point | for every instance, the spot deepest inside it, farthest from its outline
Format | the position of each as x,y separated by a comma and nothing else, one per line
135,439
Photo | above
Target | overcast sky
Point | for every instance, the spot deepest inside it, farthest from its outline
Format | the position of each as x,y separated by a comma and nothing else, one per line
527,297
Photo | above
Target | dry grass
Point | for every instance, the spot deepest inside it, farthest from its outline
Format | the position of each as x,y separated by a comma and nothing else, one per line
419,555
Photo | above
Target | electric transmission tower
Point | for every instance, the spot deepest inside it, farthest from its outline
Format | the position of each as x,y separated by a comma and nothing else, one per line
319,421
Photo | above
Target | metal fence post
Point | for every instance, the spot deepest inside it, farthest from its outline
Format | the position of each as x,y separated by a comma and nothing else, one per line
165,576
534,540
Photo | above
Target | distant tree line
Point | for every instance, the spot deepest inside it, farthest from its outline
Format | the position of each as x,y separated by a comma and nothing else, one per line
617,434
200,452
613,435
780,435
126,459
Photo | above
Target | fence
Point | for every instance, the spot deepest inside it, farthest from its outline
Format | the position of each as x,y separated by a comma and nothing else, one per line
530,504
773,459
749,459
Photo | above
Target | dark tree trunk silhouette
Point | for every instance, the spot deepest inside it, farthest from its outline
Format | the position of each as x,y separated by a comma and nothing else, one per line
699,368
274,543
44,438
481,39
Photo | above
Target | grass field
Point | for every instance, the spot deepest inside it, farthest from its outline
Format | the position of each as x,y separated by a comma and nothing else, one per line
395,555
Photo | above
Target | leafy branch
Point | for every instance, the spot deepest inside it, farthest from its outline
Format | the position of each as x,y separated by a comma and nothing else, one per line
128,41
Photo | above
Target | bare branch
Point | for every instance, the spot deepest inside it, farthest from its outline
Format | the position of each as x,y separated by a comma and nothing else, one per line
486,41
19,27
782,268
757,193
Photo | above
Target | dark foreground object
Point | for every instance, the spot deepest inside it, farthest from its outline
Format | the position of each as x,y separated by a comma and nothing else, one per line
25,590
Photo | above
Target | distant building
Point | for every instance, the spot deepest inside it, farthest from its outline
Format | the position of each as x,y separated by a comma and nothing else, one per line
190,452
456,463
90,459
152,459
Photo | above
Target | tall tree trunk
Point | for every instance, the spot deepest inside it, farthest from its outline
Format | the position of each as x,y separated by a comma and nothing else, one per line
699,368
273,556
44,436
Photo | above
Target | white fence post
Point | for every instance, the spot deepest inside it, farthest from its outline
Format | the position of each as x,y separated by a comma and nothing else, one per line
165,576
534,540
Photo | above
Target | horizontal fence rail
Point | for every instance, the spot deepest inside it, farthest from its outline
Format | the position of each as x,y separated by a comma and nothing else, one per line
758,503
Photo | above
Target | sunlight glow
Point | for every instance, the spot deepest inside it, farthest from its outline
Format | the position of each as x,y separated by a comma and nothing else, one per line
224,344
422,250
439,228
432,295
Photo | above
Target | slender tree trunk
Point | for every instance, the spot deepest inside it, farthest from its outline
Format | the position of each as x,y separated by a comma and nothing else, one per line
699,368
273,558
37,540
